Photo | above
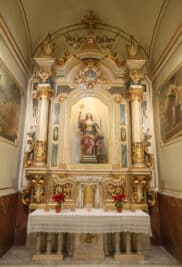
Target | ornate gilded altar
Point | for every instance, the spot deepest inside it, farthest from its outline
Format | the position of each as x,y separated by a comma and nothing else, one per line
89,132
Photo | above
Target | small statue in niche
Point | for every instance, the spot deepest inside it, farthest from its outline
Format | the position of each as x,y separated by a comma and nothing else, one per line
90,139
89,196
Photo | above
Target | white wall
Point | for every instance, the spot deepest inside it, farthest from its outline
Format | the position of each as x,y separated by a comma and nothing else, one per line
12,15
171,169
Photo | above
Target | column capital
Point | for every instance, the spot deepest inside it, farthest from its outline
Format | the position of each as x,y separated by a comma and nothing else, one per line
135,92
44,91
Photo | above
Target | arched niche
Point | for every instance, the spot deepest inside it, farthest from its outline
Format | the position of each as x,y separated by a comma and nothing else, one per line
100,104
96,107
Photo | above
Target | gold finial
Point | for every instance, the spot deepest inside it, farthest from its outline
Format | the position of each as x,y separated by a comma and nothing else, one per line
132,48
91,20
48,46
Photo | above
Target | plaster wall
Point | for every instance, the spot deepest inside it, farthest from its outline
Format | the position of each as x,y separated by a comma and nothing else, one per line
12,16
170,169
168,27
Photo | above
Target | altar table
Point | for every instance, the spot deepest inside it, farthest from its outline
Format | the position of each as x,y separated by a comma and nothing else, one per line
84,221
96,222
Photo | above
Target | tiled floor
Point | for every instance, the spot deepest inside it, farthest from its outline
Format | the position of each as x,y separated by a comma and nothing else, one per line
20,256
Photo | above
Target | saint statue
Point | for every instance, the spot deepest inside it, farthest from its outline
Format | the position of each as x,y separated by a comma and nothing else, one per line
90,132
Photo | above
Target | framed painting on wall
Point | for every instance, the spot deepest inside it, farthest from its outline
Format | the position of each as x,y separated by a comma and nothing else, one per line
10,106
170,106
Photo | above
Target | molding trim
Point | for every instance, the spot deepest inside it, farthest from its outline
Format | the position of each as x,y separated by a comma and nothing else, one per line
167,53
13,47
7,191
170,192
157,24
27,28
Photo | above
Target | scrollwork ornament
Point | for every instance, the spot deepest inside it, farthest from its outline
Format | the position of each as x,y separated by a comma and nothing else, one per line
135,77
138,153
44,92
139,189
136,93
38,189
151,197
40,152
62,98
117,99
90,74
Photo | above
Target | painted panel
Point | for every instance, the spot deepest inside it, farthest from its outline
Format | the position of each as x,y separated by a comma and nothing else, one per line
54,155
122,114
56,113
170,105
124,155
10,105
123,134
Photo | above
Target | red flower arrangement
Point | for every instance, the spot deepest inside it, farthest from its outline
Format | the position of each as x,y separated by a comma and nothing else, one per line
59,198
119,200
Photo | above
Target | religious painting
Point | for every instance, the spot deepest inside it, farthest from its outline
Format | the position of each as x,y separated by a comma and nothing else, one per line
170,103
10,104
89,131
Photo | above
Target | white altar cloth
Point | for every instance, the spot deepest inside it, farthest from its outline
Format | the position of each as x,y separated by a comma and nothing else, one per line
94,221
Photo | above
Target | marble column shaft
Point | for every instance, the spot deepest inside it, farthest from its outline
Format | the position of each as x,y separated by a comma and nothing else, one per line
40,148
135,92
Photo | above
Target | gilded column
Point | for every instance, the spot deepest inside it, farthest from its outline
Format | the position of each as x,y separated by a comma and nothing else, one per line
44,92
135,95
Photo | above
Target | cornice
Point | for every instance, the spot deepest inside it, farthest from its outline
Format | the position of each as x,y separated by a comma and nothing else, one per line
170,192
167,52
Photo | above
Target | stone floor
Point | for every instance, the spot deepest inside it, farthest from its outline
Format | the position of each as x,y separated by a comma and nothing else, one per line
20,256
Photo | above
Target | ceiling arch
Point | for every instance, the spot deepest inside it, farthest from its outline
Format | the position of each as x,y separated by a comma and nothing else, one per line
151,23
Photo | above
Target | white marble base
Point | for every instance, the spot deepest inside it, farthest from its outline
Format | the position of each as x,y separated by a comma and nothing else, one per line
129,258
88,247
47,259
19,256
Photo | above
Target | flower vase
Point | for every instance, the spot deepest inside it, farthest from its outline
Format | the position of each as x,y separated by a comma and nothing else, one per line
119,209
58,208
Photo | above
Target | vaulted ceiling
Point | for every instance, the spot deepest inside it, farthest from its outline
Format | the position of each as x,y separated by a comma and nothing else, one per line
151,22
134,17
